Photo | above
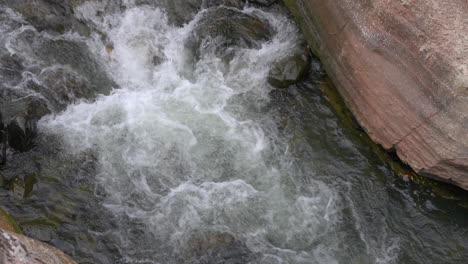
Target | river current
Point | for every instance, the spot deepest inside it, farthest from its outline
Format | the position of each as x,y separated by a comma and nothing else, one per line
196,159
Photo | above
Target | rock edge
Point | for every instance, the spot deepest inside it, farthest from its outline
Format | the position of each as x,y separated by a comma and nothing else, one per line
402,69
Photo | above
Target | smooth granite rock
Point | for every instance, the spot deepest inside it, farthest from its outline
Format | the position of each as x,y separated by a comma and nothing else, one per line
19,249
402,69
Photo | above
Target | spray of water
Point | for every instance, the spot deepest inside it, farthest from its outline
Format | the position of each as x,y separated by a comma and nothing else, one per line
190,147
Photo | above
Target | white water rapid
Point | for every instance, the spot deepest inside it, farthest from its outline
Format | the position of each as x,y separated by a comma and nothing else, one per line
190,150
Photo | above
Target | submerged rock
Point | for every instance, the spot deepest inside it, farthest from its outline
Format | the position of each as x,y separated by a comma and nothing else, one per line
289,70
264,3
223,31
401,67
218,248
183,11
16,249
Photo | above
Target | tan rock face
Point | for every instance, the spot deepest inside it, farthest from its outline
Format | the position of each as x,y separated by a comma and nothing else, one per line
402,68
18,249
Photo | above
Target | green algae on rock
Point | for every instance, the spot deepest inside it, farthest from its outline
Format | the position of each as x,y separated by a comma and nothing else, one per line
8,223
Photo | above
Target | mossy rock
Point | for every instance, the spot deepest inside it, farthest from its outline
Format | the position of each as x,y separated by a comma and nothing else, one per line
8,223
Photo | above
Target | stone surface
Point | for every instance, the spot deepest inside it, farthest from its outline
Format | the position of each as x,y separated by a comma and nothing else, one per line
218,248
289,70
7,223
48,15
18,119
183,11
264,3
223,31
18,249
402,69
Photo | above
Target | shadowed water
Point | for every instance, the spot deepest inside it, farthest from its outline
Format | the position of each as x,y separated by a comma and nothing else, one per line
195,158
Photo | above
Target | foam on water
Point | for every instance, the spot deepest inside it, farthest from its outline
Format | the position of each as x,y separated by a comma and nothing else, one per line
187,149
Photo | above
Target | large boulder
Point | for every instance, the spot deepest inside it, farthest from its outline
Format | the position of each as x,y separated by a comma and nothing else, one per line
18,249
401,67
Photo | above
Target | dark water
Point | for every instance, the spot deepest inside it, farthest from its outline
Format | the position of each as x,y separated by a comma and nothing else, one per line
194,157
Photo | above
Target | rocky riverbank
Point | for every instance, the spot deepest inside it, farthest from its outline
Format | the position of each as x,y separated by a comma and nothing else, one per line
401,67
17,248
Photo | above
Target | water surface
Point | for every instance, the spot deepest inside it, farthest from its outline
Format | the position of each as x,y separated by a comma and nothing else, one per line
197,160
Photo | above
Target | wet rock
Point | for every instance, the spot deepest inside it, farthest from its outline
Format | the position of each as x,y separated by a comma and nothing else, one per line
61,208
264,3
21,186
16,249
77,56
54,16
401,69
289,70
183,11
156,60
218,248
8,223
223,31
18,120
61,87
11,69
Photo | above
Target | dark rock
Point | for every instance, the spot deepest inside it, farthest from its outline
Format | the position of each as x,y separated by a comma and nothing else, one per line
18,120
401,69
54,16
65,72
79,58
156,60
183,11
289,70
11,69
61,87
219,248
21,186
263,3
223,31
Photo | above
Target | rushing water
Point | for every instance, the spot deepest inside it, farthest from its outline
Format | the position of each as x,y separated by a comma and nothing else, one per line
199,160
